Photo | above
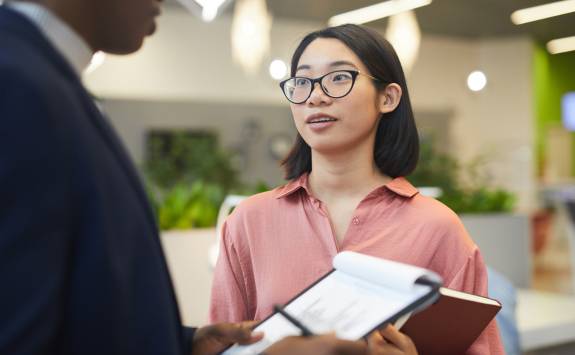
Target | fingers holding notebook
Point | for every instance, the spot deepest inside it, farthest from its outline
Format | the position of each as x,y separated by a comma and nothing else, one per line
317,345
390,341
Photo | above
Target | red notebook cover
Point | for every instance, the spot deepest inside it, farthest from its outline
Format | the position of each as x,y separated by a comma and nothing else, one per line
451,324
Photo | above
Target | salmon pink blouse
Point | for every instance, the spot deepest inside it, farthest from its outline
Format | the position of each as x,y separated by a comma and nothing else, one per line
278,242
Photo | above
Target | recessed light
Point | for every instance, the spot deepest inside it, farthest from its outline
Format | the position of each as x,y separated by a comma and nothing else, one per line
476,81
278,69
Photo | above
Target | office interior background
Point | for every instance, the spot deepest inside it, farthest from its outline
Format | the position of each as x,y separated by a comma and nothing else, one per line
200,111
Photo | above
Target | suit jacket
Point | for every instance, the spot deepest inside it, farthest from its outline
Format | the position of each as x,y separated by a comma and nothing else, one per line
81,266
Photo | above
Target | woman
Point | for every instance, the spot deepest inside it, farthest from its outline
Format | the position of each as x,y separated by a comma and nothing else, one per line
357,141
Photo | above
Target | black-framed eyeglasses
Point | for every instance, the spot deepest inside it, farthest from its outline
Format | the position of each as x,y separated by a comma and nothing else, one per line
334,84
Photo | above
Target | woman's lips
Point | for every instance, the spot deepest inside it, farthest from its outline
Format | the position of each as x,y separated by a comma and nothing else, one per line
319,116
321,124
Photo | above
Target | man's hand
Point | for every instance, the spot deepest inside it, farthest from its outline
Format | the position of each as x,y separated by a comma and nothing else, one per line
317,345
212,339
390,341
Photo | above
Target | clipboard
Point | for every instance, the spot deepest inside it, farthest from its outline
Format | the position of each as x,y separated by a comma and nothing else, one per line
358,296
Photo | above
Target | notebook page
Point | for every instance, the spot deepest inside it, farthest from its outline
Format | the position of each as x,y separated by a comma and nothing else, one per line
387,273
350,306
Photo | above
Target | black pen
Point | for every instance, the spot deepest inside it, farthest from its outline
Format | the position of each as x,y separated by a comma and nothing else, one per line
304,330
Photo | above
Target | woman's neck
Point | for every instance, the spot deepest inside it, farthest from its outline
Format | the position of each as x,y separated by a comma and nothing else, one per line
349,174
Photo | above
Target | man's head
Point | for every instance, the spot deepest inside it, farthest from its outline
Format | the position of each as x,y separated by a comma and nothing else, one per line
113,26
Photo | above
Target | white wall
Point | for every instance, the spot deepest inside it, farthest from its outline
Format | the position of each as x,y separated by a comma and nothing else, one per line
503,121
188,60
246,130
187,255
191,60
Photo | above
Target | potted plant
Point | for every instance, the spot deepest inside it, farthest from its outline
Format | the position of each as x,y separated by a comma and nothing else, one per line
485,210
188,176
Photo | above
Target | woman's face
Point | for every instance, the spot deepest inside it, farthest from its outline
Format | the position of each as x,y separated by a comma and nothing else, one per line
333,125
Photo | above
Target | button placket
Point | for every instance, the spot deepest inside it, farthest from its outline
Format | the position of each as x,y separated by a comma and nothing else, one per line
320,207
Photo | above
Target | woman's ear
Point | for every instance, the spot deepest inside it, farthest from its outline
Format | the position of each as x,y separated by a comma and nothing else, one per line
389,98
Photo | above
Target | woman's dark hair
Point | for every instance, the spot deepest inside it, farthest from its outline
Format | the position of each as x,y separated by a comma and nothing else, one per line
396,148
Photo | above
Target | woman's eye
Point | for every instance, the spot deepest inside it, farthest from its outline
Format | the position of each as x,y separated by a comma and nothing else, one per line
341,77
301,82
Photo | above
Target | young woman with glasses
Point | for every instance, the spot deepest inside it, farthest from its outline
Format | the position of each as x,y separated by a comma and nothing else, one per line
347,190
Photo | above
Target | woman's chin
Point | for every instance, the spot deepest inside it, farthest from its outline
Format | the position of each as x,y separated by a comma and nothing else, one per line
327,148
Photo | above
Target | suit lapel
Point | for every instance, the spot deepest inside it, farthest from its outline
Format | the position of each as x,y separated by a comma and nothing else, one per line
103,126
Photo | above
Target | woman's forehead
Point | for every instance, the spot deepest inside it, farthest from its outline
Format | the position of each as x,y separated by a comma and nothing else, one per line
325,53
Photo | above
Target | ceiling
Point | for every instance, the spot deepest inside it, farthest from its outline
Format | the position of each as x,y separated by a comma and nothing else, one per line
460,18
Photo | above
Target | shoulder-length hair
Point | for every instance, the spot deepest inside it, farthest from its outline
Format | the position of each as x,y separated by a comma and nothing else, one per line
396,148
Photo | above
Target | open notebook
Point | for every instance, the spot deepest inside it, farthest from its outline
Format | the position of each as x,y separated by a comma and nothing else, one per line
359,295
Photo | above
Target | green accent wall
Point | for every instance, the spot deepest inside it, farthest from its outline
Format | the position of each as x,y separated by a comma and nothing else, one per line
554,75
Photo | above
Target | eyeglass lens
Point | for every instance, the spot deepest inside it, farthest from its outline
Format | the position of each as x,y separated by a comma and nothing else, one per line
335,84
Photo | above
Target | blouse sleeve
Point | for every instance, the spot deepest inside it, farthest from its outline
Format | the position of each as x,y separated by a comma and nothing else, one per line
472,278
229,297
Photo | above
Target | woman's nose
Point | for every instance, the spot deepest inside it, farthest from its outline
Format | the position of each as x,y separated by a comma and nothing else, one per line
318,96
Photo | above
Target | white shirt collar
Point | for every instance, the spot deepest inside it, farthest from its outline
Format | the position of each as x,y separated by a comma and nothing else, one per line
61,35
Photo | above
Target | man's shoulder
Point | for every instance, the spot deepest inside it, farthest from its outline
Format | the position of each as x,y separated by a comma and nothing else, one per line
22,56
28,75
28,69
16,34
24,52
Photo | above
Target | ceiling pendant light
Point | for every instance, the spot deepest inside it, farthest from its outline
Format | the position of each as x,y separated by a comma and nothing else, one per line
405,36
251,26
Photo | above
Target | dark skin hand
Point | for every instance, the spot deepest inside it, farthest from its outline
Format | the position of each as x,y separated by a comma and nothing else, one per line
390,341
212,339
317,345
215,338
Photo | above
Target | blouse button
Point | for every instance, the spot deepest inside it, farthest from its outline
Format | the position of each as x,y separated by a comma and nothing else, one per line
355,221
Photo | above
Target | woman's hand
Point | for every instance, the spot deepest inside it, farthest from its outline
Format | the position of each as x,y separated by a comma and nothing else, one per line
390,341
212,339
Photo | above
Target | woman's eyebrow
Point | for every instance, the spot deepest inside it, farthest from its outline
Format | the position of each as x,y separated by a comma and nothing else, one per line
337,63
341,63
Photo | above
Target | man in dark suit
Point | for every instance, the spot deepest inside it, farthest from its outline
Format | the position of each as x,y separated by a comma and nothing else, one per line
81,266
